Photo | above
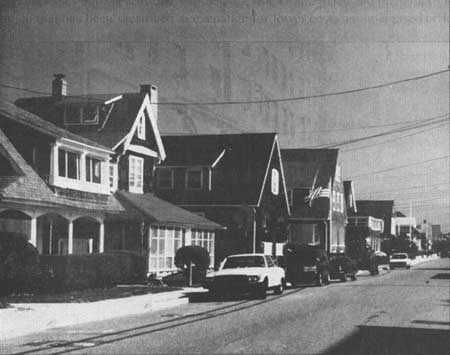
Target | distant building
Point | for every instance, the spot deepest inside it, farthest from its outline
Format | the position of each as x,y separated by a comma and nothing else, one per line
316,196
236,180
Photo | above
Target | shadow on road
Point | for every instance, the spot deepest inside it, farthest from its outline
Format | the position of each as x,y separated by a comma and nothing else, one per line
393,340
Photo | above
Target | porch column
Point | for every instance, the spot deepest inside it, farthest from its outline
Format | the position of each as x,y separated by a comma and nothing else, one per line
101,237
54,169
70,235
188,237
33,231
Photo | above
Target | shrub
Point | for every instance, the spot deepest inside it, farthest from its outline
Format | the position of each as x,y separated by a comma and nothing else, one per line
195,255
79,272
19,265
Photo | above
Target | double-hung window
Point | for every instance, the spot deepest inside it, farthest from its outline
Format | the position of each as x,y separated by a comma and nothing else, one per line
141,128
194,179
136,174
93,170
68,164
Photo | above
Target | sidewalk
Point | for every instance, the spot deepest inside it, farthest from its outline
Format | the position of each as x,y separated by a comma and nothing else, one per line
25,318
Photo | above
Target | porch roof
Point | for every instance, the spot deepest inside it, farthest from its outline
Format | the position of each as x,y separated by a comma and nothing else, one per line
163,212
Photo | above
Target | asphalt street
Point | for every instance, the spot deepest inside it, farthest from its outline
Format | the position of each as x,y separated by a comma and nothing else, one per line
401,312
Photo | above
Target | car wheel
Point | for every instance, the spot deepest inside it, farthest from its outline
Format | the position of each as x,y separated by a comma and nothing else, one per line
261,291
319,279
408,267
343,278
326,278
279,289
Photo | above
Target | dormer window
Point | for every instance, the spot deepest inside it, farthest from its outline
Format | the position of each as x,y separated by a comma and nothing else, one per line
194,179
85,115
141,128
135,174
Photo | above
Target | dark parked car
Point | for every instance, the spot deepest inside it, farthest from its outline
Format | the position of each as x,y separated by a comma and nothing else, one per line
342,267
306,264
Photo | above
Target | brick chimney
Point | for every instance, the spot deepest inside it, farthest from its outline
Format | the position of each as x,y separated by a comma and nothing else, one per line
59,86
152,92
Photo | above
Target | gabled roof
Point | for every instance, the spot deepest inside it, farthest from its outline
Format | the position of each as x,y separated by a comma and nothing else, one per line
123,110
302,165
11,112
163,212
28,187
242,165
375,208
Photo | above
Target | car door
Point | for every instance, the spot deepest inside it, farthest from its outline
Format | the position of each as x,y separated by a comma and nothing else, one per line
274,272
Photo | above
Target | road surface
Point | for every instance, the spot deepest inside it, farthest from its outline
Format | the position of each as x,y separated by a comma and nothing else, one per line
401,312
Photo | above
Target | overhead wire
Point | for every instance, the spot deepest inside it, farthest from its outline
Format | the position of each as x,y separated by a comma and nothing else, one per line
263,101
402,166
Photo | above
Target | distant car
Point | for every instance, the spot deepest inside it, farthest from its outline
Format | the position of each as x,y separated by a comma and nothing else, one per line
342,267
399,260
306,264
246,273
382,257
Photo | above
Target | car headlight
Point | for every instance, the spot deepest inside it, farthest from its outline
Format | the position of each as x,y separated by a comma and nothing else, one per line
253,278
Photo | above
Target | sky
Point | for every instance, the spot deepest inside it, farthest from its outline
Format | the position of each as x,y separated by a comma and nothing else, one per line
203,51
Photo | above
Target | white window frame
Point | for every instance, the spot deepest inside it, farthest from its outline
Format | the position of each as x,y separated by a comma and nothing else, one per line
112,176
140,129
134,175
186,175
91,169
66,167
171,179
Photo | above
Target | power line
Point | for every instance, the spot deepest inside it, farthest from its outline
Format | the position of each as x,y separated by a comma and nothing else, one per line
336,129
382,134
401,166
345,150
287,99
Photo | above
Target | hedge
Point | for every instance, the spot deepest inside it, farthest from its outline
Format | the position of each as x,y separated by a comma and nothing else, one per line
79,272
19,265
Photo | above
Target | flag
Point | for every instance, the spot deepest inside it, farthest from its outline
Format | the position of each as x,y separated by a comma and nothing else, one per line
315,192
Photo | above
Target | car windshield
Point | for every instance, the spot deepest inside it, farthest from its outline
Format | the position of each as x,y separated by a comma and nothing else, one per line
244,261
398,256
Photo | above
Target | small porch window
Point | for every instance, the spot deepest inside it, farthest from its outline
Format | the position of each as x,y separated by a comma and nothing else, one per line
135,174
194,179
165,178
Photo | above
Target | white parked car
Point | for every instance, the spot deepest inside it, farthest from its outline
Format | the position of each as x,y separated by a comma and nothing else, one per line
254,273
399,260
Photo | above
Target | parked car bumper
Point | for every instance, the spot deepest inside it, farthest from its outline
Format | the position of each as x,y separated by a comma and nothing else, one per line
232,284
